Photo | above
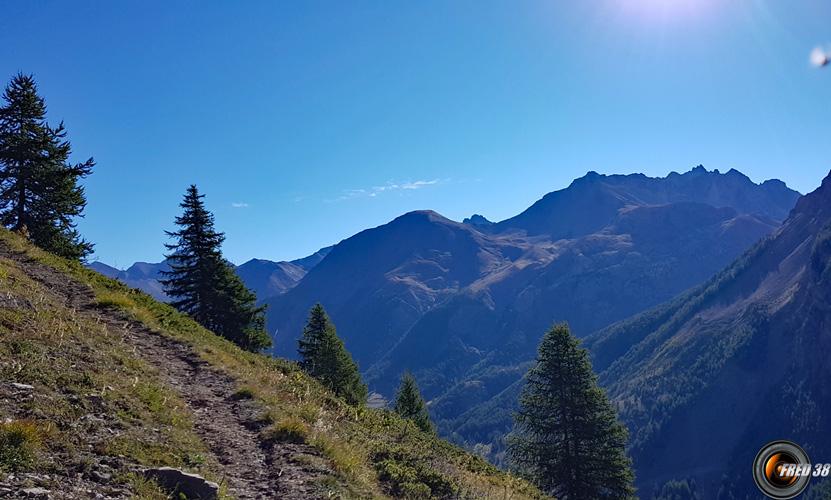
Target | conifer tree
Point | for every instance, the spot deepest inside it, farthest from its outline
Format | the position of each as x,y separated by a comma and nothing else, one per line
324,357
239,318
566,436
39,192
409,403
204,285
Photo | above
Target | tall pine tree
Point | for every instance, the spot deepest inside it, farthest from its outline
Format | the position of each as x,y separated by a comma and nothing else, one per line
39,191
566,434
409,403
204,285
324,357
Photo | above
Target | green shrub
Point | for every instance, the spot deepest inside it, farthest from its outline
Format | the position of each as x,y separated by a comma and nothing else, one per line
414,490
19,443
409,476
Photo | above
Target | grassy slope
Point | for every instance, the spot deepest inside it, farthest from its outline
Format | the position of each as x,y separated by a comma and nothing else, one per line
374,453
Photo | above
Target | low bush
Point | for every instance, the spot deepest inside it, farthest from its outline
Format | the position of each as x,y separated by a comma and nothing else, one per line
20,441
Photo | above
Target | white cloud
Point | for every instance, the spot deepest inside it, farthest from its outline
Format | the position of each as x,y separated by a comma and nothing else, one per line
374,191
239,204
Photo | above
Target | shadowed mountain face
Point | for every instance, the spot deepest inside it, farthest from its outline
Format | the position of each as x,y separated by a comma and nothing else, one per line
463,306
382,280
733,364
268,278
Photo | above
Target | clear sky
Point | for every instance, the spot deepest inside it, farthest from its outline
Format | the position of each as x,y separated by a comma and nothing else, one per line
305,122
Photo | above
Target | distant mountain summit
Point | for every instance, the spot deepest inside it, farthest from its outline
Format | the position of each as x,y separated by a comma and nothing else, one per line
268,278
265,277
385,278
142,275
733,364
463,306
477,220
591,201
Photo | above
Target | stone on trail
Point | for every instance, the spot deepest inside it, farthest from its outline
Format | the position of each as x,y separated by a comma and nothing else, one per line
36,492
176,481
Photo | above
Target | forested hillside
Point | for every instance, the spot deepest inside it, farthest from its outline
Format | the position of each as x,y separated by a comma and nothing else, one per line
705,380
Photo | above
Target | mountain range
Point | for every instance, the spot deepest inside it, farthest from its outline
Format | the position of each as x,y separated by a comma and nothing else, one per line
265,277
463,305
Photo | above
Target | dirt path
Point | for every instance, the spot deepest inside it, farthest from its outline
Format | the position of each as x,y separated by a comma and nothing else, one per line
228,425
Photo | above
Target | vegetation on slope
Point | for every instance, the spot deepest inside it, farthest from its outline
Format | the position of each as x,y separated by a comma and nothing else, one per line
91,383
566,436
372,453
645,332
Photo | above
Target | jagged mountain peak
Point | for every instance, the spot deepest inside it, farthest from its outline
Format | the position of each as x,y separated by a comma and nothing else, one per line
592,201
477,220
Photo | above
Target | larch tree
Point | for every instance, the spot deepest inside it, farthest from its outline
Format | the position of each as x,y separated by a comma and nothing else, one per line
40,194
567,437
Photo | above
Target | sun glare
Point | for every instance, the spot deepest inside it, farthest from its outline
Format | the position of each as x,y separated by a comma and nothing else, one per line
666,10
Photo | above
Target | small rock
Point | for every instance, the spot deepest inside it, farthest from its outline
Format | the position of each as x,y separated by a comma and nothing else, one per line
176,481
101,477
36,492
22,387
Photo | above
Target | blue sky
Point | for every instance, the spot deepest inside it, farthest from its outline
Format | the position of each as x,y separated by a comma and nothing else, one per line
305,122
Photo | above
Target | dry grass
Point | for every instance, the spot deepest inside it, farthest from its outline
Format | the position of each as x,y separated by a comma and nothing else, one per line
288,430
80,369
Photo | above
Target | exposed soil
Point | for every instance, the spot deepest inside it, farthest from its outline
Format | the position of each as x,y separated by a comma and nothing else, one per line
228,425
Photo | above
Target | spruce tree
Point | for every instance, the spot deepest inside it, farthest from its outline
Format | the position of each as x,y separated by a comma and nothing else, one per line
39,192
409,403
566,436
324,357
204,285
239,318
